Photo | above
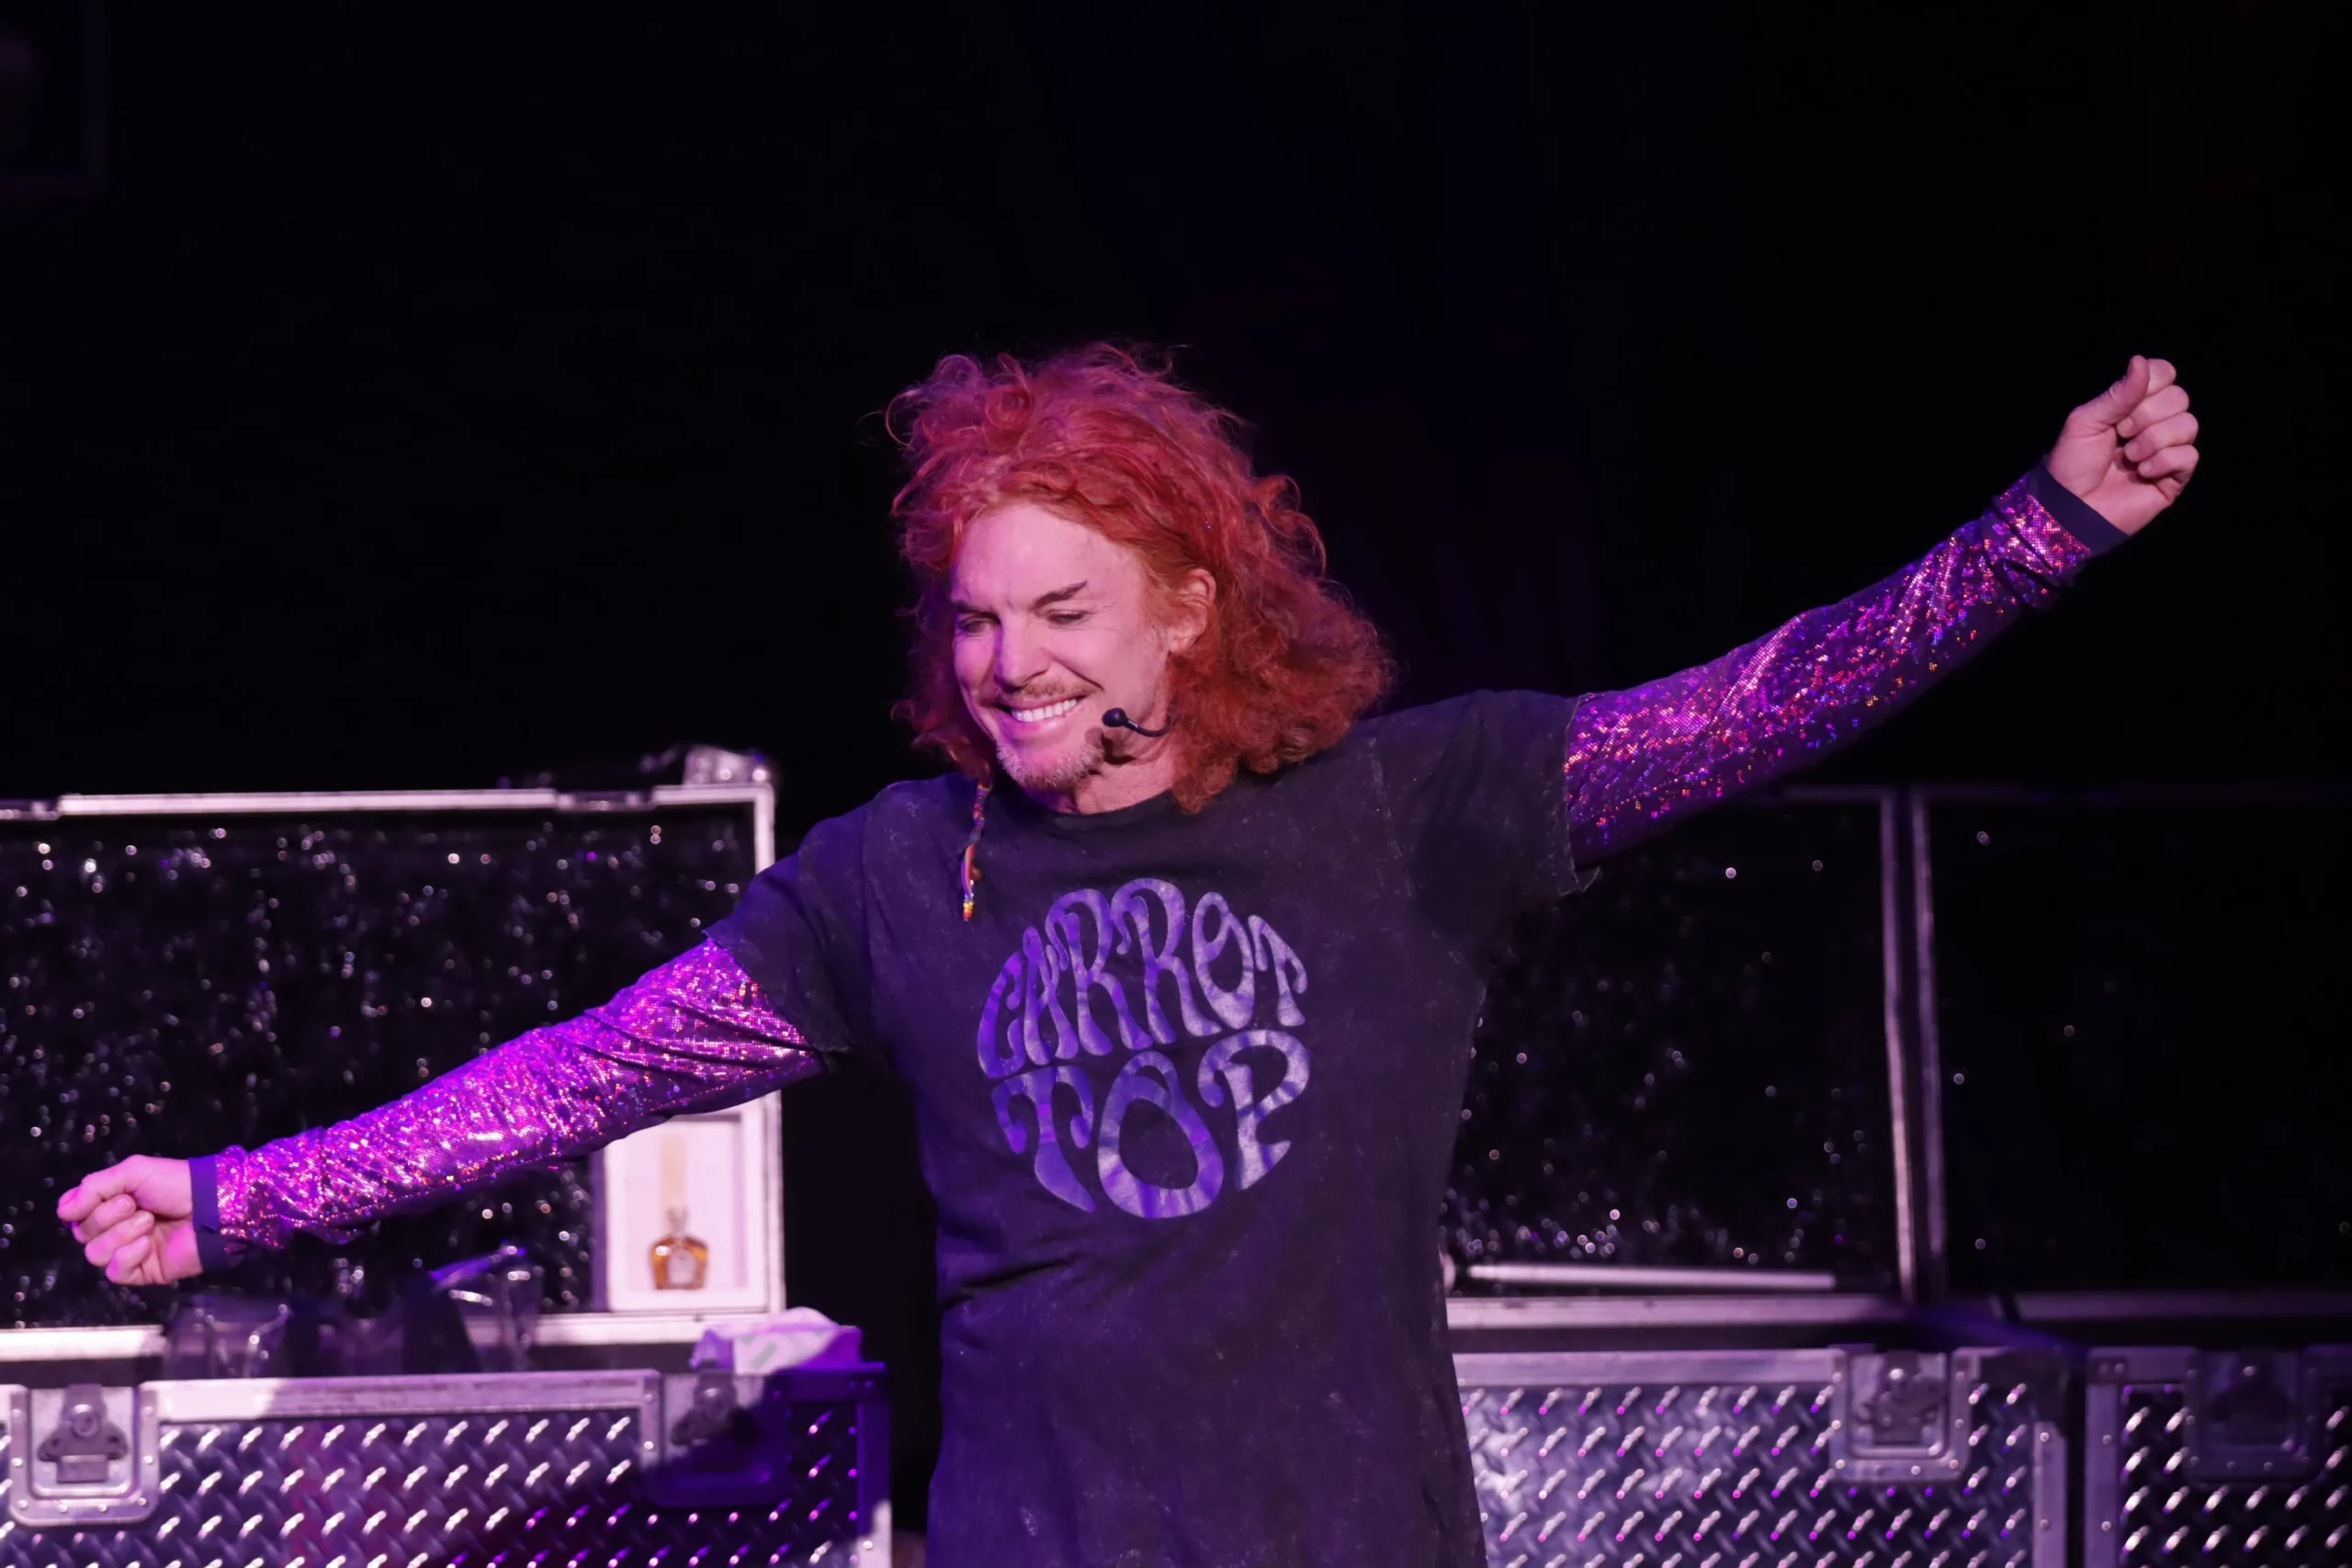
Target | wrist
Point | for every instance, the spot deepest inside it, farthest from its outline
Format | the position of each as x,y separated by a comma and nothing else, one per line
207,1176
2072,512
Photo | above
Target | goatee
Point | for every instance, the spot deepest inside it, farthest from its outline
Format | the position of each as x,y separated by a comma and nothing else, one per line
1055,776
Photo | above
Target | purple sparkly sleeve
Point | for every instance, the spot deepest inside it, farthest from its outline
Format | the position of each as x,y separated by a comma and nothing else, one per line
1639,760
695,1034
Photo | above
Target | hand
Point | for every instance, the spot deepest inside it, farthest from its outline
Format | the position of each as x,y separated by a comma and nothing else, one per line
134,1220
2130,451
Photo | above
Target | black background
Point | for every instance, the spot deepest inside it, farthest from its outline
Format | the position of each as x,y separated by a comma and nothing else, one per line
436,395
2144,1083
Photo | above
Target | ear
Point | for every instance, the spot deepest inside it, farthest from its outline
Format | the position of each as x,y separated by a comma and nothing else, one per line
1191,607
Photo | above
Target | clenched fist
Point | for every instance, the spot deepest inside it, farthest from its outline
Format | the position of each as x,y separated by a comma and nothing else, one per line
2130,451
134,1221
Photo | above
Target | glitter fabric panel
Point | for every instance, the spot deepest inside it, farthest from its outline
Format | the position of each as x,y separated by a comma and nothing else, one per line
1640,760
693,1036
1685,1066
172,984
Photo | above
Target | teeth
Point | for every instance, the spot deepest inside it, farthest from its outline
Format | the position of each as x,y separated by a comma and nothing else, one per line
1051,710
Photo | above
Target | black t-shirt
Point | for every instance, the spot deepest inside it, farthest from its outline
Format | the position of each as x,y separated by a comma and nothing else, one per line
1186,1091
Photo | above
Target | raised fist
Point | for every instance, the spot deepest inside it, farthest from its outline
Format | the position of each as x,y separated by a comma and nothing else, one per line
2130,451
134,1221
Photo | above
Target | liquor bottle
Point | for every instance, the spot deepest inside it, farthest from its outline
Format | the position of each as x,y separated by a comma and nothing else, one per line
681,1262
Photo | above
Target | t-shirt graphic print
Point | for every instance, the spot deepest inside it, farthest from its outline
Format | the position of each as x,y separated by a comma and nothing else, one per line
1065,1083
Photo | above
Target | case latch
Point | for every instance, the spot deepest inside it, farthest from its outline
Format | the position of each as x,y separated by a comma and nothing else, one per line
1898,1419
87,1456
84,1443
716,1411
2252,1412
729,1444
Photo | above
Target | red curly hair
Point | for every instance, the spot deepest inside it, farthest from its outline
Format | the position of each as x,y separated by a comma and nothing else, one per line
1105,436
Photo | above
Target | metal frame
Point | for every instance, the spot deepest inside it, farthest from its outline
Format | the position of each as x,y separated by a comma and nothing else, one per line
758,793
1900,1111
1931,1094
1825,1310
1604,1367
1898,1103
2102,1483
2051,1546
1846,1309
1740,1300
762,1134
1635,1276
595,1327
2150,1306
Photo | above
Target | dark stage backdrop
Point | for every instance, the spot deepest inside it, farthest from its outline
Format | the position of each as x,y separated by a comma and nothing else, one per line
436,395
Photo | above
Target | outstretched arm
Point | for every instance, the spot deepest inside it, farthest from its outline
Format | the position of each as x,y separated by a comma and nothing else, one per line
1640,760
695,1034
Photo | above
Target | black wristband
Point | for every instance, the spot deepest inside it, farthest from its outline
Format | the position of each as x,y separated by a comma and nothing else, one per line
2074,513
204,1204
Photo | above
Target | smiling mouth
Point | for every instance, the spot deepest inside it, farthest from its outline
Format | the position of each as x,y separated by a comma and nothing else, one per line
1042,715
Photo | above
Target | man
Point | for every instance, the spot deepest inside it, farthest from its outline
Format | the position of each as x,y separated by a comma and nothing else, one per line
1186,1007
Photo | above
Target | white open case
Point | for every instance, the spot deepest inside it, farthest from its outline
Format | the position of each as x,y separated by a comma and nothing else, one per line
724,1168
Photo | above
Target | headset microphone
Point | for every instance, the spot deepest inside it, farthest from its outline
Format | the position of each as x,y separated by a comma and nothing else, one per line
1117,720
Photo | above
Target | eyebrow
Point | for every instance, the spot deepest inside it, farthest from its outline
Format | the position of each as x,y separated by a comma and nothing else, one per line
1044,601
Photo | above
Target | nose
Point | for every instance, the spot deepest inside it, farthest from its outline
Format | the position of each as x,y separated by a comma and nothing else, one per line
1020,656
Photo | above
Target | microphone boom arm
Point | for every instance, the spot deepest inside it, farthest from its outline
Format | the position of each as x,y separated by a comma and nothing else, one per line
1116,719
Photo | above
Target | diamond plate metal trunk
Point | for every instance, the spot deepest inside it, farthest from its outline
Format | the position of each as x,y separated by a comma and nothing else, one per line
2229,1457
536,1468
1781,1458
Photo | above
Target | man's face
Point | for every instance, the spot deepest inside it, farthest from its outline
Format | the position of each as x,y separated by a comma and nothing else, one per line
1053,626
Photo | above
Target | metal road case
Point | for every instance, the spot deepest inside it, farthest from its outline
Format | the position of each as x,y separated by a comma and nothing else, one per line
1692,1075
616,1468
1774,1458
2086,1040
183,972
2230,1457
